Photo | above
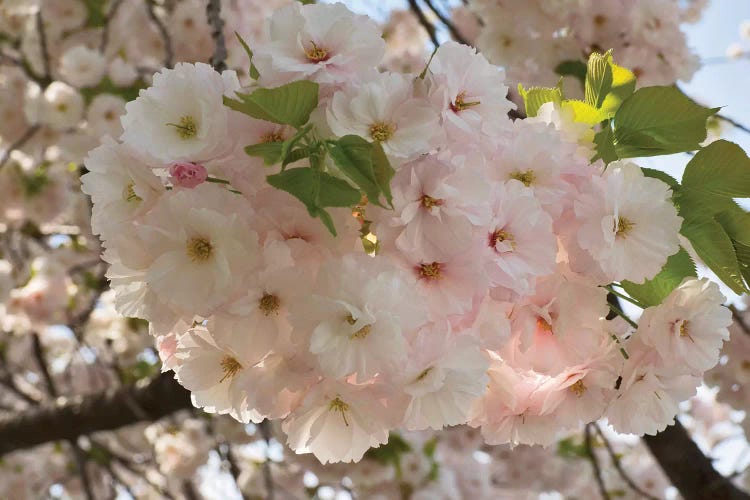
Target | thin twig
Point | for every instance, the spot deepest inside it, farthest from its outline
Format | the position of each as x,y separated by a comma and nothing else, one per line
428,26
457,36
36,346
105,29
265,431
166,39
81,459
739,319
43,44
213,14
18,144
618,465
595,462
734,123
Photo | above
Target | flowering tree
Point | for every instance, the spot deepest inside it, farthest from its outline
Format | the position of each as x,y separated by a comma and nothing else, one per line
362,268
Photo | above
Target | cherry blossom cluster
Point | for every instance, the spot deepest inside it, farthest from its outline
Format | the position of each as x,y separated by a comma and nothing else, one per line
534,40
480,298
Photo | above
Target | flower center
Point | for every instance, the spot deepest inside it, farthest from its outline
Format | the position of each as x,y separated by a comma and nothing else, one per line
429,202
459,104
424,373
381,132
129,194
578,388
543,325
269,304
62,107
186,129
338,405
362,332
272,137
623,226
528,177
316,54
430,271
500,236
199,249
684,328
230,367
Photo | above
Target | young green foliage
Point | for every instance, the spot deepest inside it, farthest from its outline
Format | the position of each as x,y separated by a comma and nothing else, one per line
289,104
652,292
654,121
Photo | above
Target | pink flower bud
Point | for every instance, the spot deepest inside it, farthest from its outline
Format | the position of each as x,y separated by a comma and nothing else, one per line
187,175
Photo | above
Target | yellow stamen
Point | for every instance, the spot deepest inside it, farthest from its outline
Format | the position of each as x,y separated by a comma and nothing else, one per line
199,249
230,367
129,194
269,304
341,407
187,128
361,333
430,271
381,132
623,226
429,202
528,177
272,137
543,325
316,54
459,104
422,375
500,236
578,388
684,328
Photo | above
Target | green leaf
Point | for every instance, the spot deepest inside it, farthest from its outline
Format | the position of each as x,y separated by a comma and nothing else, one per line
253,72
269,151
654,291
535,97
657,121
295,155
302,183
713,245
584,112
289,144
743,256
389,453
353,156
316,190
736,222
335,192
572,68
570,448
662,176
623,86
605,148
290,104
598,79
383,171
721,168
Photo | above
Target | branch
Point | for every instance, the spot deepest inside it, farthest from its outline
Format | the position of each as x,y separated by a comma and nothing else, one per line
618,465
689,470
428,26
739,319
213,14
588,443
265,430
107,20
734,123
36,348
457,36
18,144
104,411
43,44
168,53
